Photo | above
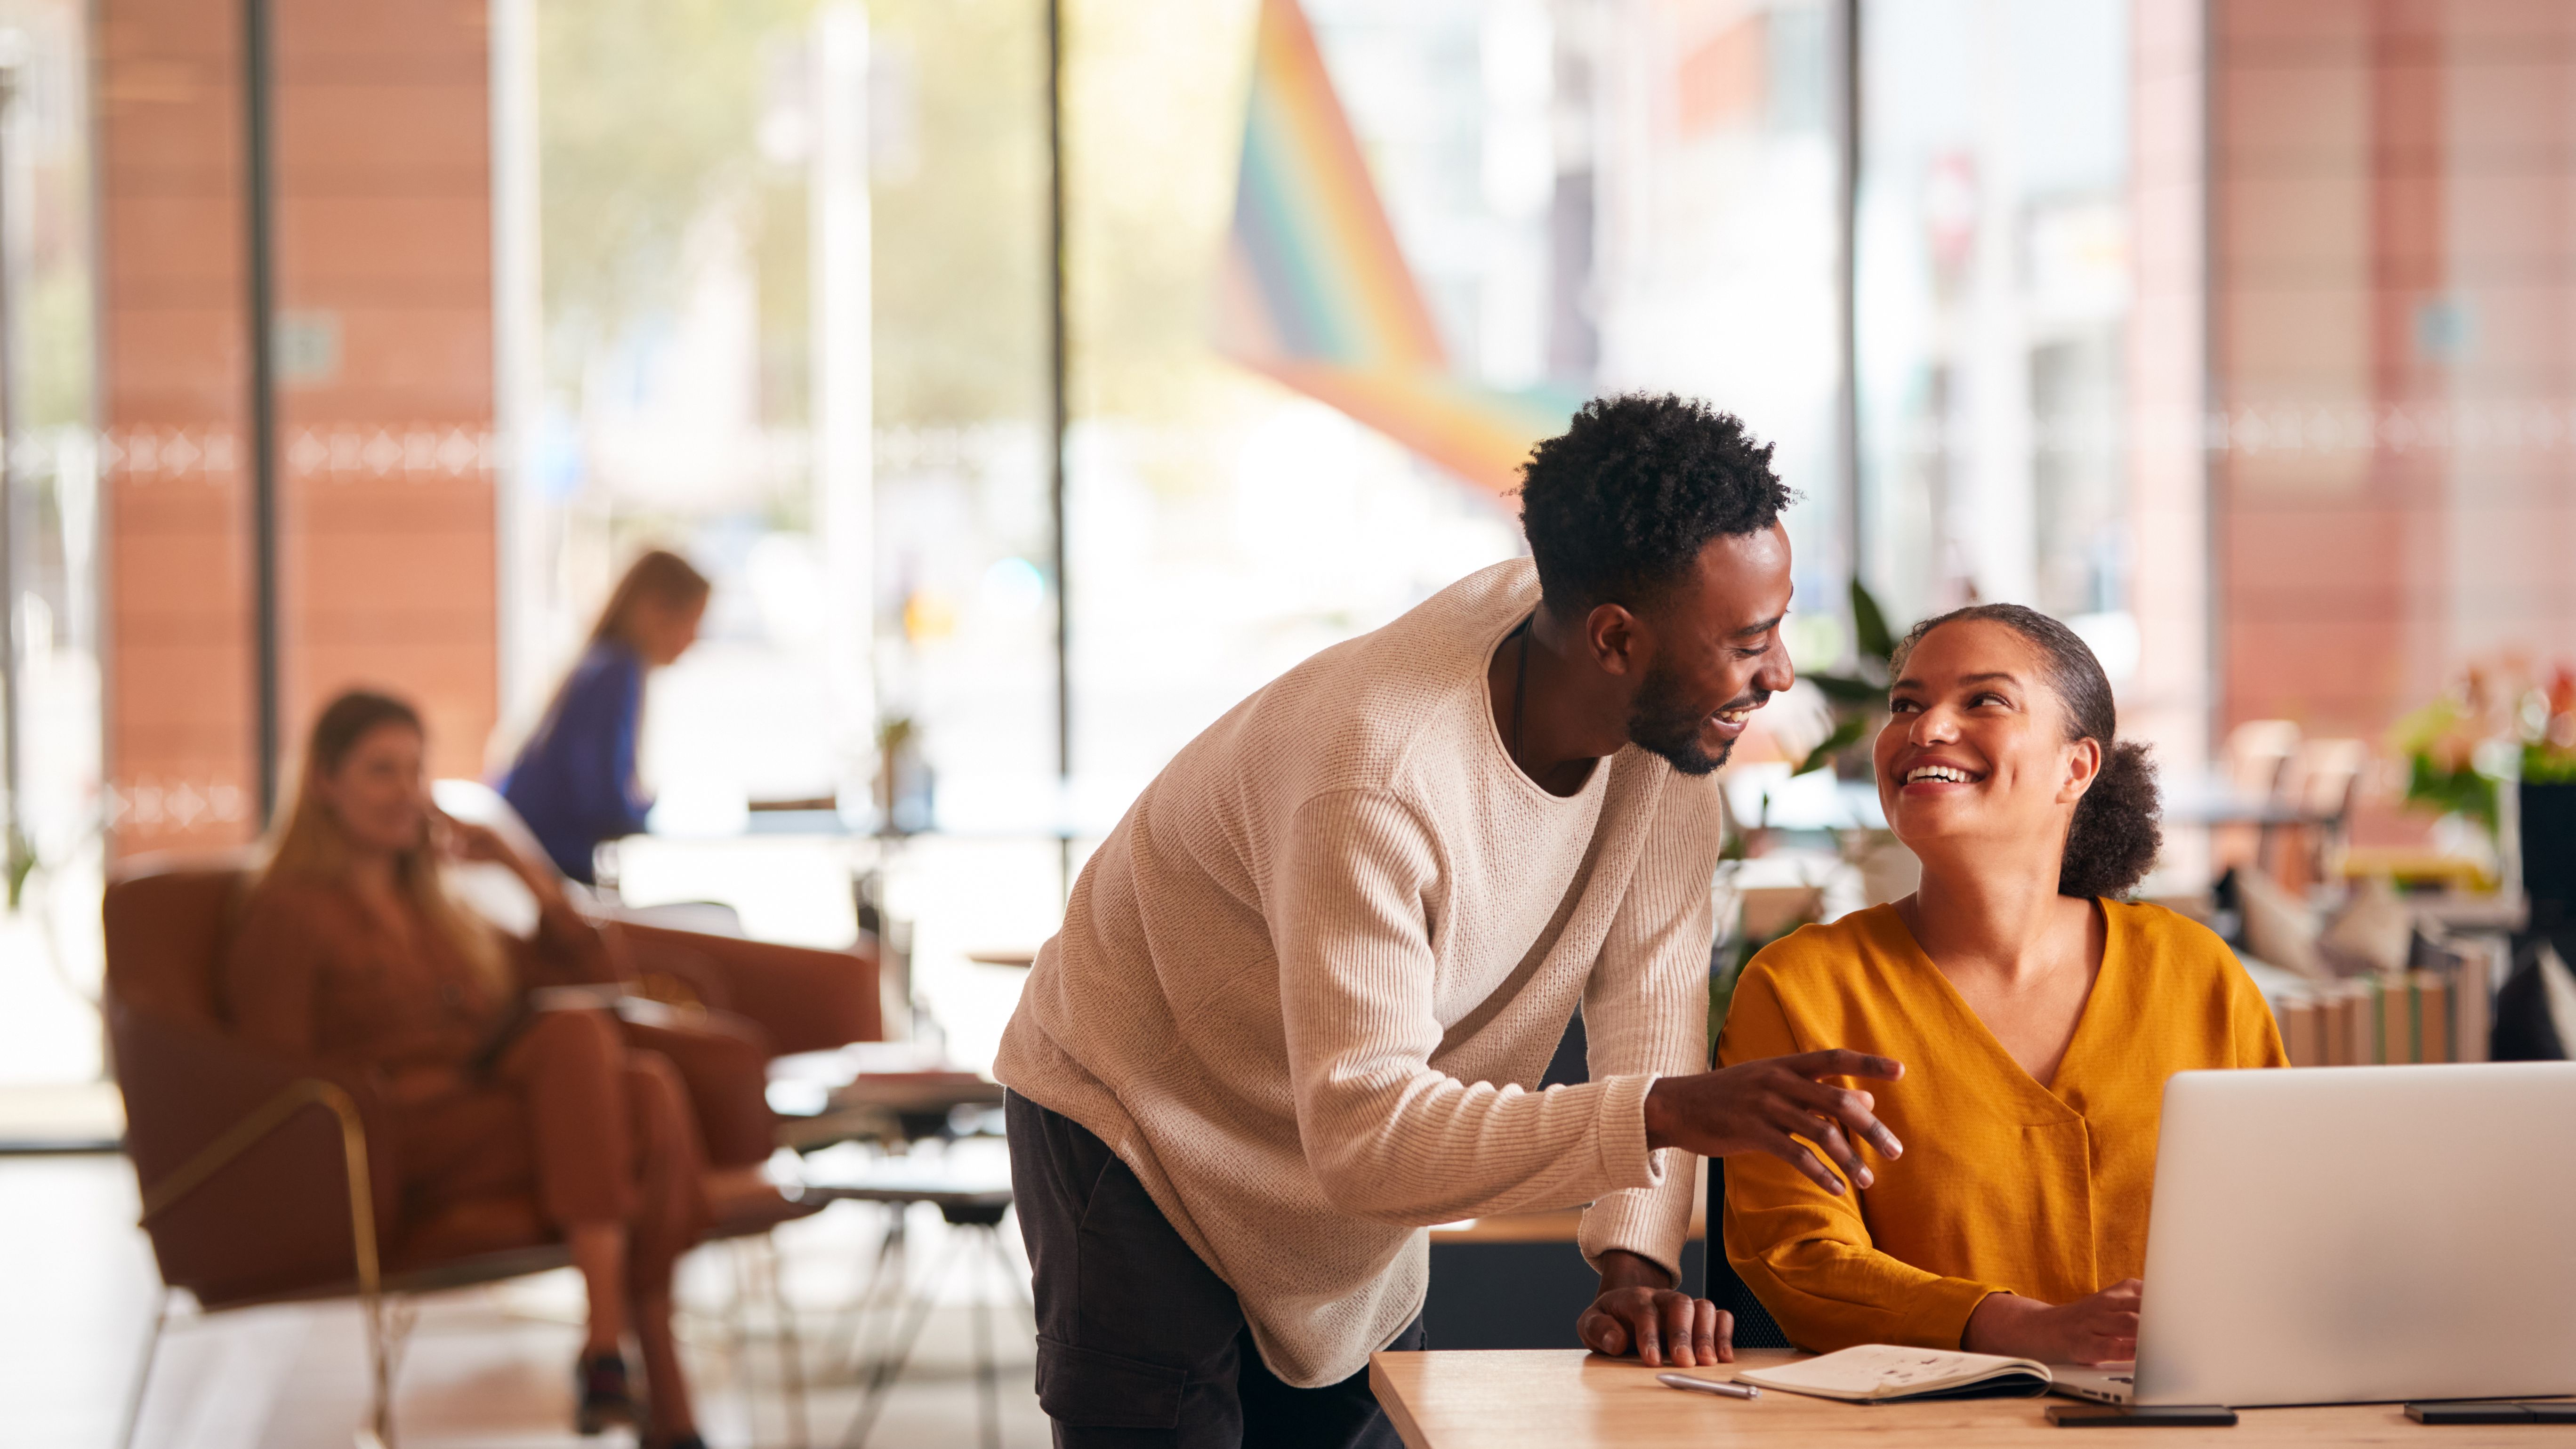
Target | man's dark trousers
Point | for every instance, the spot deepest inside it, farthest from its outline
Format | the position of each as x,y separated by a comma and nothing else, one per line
1140,1345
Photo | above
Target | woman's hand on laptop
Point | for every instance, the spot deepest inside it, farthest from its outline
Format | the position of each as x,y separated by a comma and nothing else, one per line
2099,1329
1766,1105
1639,1311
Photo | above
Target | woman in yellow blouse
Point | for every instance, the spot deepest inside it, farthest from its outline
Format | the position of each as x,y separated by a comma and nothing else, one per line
2040,1019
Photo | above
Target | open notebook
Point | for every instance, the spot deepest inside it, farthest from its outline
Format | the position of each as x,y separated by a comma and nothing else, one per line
1877,1372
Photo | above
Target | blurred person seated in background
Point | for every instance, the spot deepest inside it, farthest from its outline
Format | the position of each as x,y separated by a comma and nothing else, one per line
2040,1018
574,780
352,946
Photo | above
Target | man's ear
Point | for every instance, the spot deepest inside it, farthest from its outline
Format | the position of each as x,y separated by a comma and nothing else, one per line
2083,765
1616,639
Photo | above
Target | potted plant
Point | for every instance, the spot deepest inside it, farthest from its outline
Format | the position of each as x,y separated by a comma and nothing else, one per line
2499,727
2547,797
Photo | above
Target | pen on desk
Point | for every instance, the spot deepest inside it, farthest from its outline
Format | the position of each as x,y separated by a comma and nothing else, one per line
1708,1386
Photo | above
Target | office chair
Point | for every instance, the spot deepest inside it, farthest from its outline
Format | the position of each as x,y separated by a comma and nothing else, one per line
1754,1325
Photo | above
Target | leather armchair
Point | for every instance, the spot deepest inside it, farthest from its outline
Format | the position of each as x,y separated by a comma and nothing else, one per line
265,1179
802,999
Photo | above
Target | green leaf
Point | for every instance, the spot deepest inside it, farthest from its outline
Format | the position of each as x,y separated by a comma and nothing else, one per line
1847,688
1845,733
2464,791
1869,625
21,863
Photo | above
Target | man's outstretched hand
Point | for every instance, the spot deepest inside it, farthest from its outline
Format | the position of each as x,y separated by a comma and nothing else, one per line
1639,1312
1757,1107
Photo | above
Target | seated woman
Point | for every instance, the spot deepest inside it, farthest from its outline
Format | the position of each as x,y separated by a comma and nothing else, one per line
574,780
2040,1018
350,946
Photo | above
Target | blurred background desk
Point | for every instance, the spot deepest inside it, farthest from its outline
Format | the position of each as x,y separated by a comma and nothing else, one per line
1570,1399
1521,1281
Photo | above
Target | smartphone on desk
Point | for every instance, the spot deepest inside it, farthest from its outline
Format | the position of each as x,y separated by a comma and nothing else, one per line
2140,1416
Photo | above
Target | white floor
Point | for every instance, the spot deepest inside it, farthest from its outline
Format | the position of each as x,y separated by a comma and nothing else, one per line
488,1368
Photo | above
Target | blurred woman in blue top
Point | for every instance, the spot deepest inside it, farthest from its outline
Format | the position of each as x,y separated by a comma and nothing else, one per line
574,781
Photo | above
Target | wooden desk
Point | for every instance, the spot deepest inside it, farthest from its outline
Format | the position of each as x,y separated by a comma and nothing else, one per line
1569,1399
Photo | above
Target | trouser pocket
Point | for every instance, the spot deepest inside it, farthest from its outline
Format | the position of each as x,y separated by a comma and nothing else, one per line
1089,1389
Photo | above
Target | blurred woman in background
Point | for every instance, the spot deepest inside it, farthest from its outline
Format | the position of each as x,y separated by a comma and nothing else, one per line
574,781
352,946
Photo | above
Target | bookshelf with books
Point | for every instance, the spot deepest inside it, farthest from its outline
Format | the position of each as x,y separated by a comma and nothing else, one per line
2439,1011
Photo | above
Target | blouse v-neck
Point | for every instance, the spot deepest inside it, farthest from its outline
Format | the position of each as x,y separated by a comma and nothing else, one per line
1911,951
2010,1186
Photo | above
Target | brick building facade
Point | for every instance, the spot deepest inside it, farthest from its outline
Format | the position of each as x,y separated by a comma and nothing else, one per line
385,457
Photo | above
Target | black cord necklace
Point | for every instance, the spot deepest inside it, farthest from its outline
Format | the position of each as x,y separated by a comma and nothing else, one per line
1520,692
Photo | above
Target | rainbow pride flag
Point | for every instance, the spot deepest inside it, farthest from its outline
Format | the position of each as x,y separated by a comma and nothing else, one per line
1316,294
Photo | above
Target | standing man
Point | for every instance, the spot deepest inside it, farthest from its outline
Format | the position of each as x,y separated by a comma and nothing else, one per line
1302,989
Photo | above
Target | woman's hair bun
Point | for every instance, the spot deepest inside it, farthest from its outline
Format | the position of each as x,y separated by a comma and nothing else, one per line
2113,842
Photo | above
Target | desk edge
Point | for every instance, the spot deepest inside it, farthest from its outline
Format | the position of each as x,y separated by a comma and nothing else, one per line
1393,1404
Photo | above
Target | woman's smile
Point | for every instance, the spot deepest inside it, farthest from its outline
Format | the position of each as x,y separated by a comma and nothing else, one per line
1929,778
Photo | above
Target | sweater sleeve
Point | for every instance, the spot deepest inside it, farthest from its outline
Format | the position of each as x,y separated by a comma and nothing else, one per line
623,804
586,751
1389,1138
292,938
1645,1010
568,949
1806,1253
597,732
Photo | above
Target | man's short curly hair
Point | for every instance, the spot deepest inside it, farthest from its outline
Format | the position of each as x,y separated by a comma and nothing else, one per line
1618,506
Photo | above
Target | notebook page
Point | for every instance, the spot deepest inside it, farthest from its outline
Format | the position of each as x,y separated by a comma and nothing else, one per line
1883,1370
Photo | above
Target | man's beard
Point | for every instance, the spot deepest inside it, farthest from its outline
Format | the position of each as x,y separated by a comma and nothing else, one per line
1661,722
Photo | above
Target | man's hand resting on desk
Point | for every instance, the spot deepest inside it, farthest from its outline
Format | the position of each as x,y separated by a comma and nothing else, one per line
1759,1106
1764,1106
1640,1312
2099,1329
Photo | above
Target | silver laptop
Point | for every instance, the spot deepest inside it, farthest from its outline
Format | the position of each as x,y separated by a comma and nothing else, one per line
2348,1234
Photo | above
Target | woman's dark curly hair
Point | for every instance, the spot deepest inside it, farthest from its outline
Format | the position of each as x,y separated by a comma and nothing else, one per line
1619,506
2115,837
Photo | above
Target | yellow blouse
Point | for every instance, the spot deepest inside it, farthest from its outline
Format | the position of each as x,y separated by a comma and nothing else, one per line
2005,1185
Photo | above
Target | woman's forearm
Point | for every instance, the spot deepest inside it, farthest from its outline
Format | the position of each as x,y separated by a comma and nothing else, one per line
2102,1328
2008,1324
542,881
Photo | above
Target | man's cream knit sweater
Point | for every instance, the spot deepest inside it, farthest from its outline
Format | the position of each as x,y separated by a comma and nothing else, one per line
1304,987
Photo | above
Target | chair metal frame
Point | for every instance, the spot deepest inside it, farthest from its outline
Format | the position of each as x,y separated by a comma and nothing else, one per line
384,1338
880,1358
387,1305
757,1276
1754,1325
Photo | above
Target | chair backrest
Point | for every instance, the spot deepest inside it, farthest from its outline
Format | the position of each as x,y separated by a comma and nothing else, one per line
2329,772
166,919
1754,1325
2258,755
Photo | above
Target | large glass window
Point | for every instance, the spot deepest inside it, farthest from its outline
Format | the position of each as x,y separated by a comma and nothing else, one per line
1992,290
49,948
1714,134
1577,195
